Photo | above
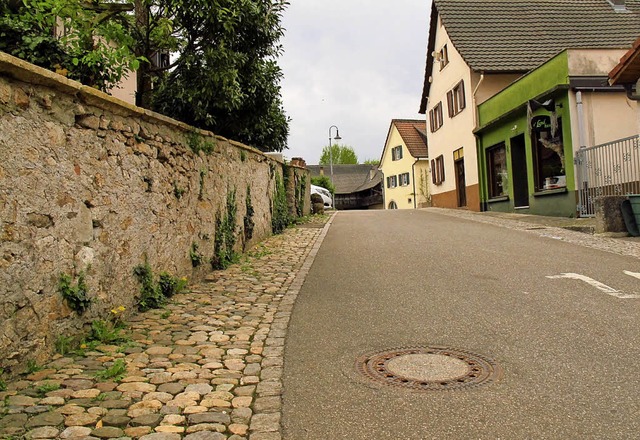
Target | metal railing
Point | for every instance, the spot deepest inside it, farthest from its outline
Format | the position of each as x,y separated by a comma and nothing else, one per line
611,169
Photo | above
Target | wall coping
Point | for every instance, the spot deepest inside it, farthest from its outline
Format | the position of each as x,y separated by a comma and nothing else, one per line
23,71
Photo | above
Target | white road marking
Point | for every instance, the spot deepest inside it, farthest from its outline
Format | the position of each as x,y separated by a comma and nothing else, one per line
632,274
597,284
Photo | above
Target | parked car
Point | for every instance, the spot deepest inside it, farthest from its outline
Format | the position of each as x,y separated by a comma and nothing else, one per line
324,193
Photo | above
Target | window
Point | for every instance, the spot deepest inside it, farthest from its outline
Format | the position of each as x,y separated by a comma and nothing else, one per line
392,181
455,99
443,56
437,170
435,117
548,150
549,153
497,171
396,153
404,179
393,205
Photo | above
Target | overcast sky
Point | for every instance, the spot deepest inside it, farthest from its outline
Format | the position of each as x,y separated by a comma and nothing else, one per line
355,64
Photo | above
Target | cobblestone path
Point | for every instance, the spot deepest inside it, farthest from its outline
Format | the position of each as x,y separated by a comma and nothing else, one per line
206,367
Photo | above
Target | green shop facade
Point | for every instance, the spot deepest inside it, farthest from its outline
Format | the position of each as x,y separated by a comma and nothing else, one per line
525,138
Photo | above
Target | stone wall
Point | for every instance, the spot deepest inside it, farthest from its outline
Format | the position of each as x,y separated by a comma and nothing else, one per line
89,184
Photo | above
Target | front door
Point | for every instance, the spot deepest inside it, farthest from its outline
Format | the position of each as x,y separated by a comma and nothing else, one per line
519,172
460,182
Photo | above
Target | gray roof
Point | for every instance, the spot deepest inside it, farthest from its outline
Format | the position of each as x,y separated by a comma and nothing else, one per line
350,178
519,35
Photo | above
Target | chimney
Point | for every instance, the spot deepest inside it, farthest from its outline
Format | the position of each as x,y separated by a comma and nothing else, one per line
619,5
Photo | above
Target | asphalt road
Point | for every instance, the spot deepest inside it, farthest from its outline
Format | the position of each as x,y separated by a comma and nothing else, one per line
570,352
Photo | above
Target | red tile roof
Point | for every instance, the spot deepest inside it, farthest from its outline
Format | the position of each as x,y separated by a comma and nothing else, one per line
628,70
414,135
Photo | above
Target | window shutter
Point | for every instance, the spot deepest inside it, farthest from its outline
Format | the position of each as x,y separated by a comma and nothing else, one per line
450,103
433,171
431,124
462,99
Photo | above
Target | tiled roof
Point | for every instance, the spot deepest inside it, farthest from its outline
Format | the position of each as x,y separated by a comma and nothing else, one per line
349,179
413,133
518,35
628,70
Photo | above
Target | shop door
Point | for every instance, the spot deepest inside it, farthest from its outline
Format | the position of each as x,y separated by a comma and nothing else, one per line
519,172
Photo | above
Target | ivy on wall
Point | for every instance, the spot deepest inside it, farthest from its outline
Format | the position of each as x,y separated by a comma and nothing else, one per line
225,235
279,208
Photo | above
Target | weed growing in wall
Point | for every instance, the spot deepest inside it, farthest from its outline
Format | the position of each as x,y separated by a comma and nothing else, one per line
197,144
279,209
154,294
248,217
203,174
177,191
75,295
243,155
194,254
225,236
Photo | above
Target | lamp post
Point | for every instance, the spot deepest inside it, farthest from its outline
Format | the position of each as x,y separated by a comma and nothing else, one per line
337,138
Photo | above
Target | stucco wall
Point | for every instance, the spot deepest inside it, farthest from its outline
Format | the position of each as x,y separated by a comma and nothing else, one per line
91,184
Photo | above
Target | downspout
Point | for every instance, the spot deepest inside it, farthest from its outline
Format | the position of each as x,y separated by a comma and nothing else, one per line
581,132
413,176
475,106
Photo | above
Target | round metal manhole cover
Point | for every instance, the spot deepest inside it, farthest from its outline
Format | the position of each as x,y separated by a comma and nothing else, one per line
429,368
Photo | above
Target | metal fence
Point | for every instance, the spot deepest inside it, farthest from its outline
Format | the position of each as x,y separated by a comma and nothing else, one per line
608,169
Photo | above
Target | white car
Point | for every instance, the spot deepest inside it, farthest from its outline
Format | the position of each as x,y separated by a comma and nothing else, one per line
324,193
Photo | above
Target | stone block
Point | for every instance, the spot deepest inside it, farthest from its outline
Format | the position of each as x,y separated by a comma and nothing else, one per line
609,215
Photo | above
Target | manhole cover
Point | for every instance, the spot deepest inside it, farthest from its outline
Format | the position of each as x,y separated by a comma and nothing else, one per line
429,368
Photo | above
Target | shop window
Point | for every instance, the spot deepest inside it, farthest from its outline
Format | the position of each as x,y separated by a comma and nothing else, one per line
437,170
396,153
404,179
392,181
497,171
548,152
455,99
435,117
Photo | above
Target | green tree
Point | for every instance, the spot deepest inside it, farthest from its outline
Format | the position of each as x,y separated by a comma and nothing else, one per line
340,154
372,162
225,77
80,47
323,181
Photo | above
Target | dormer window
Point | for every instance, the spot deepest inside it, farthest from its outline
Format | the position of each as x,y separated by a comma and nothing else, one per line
443,57
396,153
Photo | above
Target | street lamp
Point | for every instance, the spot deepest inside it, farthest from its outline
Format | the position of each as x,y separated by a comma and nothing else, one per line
337,138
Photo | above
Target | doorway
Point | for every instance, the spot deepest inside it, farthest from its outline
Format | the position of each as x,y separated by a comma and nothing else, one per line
461,182
519,172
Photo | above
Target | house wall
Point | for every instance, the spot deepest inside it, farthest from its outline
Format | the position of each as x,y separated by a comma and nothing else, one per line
91,184
125,90
491,84
607,116
408,196
552,202
457,131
